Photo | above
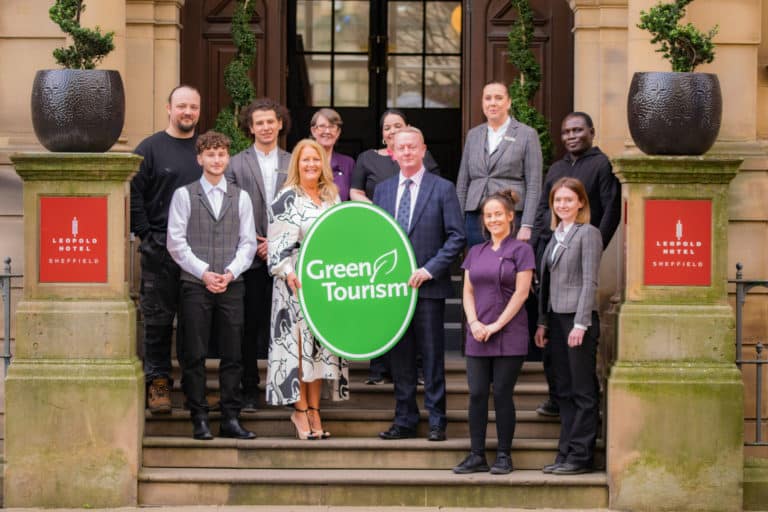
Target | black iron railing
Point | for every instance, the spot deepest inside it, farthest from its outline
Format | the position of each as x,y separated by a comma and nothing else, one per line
5,290
743,286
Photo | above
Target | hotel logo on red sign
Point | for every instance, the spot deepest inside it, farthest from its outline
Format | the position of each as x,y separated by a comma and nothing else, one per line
73,239
678,242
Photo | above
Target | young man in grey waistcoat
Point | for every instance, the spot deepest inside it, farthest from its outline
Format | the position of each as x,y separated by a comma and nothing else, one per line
211,236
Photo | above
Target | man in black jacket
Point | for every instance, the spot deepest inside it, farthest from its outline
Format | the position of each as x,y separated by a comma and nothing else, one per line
592,167
170,162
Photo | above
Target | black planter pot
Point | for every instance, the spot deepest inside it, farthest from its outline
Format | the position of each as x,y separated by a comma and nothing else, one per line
78,110
673,113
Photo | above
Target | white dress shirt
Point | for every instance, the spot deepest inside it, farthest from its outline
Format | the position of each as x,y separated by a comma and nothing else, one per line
178,218
268,163
496,136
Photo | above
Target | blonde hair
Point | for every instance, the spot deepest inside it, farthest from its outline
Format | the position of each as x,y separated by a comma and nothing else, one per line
328,190
577,187
410,129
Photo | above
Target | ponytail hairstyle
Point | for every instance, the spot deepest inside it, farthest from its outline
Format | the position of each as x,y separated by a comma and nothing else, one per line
508,199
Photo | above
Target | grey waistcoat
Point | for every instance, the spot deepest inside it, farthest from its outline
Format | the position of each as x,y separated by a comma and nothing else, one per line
213,240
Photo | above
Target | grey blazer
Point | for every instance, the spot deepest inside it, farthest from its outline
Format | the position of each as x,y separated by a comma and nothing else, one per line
244,171
569,283
516,163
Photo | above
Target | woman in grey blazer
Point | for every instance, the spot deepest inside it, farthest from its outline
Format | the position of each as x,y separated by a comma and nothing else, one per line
568,322
500,154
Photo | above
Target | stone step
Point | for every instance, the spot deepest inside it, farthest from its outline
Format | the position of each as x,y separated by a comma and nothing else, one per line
335,453
375,487
342,423
528,395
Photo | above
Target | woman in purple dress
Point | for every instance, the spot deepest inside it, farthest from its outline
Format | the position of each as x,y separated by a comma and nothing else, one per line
497,279
326,129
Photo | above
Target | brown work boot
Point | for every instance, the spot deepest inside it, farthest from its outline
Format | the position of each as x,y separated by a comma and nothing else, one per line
159,396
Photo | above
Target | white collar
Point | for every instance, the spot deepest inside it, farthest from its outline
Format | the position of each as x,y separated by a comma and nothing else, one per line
208,186
416,178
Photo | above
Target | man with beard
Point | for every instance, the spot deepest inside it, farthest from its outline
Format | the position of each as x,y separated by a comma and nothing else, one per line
170,162
592,167
260,170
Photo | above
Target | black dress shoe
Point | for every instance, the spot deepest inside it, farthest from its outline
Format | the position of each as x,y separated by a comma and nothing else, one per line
568,468
397,432
230,427
436,434
201,429
472,464
503,464
549,468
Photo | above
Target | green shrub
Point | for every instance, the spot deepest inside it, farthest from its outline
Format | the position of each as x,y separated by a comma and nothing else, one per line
88,46
524,87
684,46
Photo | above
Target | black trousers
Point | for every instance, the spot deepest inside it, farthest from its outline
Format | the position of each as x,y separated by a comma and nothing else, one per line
158,300
503,373
258,306
573,372
199,311
425,336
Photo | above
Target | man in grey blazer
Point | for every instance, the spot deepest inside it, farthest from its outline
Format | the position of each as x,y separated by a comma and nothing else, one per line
260,170
500,154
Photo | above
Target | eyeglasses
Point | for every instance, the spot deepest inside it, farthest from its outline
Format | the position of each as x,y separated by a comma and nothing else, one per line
326,127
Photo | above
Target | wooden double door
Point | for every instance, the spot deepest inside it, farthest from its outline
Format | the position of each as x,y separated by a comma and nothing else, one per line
428,58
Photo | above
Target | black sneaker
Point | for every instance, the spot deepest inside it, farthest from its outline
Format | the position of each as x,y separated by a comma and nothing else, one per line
548,408
503,464
473,463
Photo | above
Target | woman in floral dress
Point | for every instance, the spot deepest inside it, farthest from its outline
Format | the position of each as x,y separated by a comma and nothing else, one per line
298,365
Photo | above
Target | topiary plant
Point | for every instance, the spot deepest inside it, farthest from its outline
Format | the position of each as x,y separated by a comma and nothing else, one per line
88,47
682,45
237,80
524,87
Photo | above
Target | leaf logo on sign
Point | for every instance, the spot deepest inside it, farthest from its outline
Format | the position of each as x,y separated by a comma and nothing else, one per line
387,261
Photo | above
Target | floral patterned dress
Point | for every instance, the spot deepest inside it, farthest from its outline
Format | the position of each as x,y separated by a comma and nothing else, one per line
291,216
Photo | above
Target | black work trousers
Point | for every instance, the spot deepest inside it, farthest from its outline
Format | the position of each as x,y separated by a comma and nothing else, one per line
576,391
158,300
503,373
258,308
199,311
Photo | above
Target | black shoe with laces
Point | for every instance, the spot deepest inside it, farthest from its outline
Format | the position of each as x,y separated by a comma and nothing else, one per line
503,464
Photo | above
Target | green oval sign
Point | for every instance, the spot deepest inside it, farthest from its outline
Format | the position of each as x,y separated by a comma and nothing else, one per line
354,267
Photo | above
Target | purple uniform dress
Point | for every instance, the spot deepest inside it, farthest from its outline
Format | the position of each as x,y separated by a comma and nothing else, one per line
493,274
341,166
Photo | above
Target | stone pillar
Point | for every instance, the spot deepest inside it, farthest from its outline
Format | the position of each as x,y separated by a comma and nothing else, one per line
675,430
74,391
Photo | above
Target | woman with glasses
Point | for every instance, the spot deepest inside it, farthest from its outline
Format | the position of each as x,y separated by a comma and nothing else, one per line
326,129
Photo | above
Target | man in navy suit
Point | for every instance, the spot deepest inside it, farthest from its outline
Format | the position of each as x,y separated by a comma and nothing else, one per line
427,208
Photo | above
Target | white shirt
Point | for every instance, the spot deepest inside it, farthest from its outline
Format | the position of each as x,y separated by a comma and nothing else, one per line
416,179
178,219
496,136
268,163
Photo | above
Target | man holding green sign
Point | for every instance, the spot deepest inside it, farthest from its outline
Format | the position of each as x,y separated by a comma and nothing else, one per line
427,209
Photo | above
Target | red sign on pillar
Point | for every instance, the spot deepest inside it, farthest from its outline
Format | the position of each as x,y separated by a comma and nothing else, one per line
678,242
73,239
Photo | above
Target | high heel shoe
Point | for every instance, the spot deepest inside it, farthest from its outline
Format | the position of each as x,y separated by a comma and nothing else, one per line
304,435
320,433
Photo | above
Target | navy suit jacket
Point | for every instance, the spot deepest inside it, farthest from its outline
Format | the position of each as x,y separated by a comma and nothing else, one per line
436,231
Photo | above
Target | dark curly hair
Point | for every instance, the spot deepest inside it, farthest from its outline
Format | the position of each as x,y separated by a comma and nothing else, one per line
212,140
265,104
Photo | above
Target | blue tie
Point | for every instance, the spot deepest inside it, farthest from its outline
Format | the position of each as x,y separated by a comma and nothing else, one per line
404,210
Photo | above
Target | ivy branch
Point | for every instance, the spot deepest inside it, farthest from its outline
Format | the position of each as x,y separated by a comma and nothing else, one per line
88,46
237,80
684,46
523,88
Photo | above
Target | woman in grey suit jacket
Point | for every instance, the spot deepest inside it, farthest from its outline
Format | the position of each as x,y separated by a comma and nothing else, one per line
568,322
498,155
